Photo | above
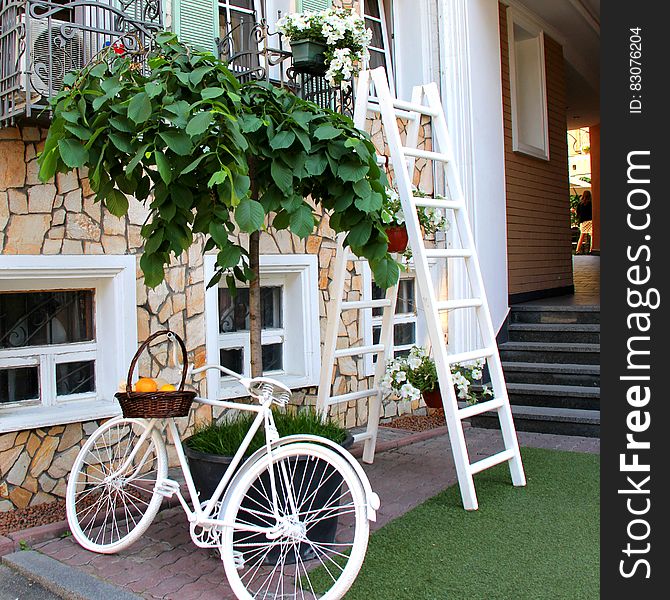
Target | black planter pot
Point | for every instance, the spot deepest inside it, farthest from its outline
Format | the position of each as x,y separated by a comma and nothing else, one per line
208,469
309,57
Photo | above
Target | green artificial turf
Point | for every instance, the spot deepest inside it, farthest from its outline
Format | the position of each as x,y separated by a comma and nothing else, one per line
541,541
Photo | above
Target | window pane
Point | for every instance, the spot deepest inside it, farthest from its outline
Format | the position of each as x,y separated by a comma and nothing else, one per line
234,313
372,8
19,384
233,359
376,334
406,298
404,334
273,357
376,28
43,318
75,378
249,4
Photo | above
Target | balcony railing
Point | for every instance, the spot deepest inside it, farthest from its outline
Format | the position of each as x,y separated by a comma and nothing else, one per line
253,52
41,40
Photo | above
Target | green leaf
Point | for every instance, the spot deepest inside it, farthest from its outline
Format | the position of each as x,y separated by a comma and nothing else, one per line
48,164
199,123
302,118
281,220
326,132
385,271
316,164
282,176
302,221
122,124
249,215
120,142
250,123
212,92
72,152
178,142
83,133
153,88
135,160
99,70
197,74
304,139
359,234
117,203
70,115
194,164
292,203
350,171
370,204
163,166
139,108
282,140
219,234
363,188
229,257
152,267
217,178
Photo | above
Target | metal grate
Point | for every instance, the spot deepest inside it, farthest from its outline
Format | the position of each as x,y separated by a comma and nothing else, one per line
41,41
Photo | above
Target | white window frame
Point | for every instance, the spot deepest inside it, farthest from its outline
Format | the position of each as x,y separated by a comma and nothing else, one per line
298,274
535,31
387,49
115,314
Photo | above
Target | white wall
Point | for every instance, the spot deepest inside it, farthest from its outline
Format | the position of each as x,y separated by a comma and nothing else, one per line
472,92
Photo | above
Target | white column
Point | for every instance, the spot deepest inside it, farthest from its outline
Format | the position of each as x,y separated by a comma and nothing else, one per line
472,94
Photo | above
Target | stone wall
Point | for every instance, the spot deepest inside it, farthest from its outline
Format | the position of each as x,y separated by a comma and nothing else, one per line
62,217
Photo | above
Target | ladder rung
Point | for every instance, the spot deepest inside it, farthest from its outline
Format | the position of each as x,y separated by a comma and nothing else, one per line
427,154
437,203
359,437
453,304
374,349
416,108
480,407
361,304
352,396
491,461
403,114
448,253
471,355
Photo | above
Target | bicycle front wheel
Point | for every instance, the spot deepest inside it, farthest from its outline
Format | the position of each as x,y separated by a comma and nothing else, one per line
316,531
110,499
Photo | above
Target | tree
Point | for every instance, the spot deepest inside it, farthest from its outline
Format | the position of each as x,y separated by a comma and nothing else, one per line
211,156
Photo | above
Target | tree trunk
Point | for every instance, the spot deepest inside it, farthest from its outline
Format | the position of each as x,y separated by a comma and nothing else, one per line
255,324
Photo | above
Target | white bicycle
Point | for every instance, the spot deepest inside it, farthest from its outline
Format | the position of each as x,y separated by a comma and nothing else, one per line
291,522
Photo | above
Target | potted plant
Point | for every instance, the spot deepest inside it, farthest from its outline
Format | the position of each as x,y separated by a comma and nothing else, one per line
415,375
430,219
332,42
211,448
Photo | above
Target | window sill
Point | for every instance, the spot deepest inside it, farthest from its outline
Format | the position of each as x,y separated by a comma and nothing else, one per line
20,418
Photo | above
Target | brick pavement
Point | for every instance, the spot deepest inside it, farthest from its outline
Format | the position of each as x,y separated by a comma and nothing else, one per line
165,564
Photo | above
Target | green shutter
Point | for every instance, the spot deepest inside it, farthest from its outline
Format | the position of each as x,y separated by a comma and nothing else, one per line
304,5
196,22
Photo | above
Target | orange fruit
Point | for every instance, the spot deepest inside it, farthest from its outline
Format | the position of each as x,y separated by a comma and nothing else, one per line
168,387
146,384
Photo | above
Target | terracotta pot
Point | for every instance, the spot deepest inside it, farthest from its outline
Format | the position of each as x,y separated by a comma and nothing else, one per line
433,399
308,57
398,238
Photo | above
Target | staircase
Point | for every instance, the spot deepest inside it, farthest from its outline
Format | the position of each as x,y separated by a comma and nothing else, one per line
552,368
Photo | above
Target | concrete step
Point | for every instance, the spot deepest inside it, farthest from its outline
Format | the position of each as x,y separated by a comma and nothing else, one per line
539,419
534,313
551,332
556,396
552,373
583,354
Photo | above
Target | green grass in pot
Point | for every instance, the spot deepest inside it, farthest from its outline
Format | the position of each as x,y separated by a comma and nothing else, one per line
225,438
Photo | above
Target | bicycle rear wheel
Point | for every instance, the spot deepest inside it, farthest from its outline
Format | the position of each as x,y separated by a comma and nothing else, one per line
110,500
316,547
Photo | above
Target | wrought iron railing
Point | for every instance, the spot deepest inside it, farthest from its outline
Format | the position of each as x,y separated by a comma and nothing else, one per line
253,52
41,40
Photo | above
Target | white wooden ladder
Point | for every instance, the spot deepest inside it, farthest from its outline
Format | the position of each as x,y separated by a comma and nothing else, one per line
425,102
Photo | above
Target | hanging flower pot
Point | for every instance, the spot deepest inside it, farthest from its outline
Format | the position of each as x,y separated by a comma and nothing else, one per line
398,238
432,398
309,56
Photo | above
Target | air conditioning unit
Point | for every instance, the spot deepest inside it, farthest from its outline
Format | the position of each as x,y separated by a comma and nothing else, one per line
56,48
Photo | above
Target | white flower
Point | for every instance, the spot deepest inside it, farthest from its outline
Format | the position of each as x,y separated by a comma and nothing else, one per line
414,362
409,392
401,376
476,374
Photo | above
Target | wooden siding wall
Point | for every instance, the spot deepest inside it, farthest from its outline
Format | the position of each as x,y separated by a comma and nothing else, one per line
539,243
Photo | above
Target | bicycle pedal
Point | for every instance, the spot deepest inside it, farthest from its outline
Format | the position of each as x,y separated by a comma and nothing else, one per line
166,487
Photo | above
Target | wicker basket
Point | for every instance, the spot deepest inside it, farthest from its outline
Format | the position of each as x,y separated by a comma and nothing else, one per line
149,405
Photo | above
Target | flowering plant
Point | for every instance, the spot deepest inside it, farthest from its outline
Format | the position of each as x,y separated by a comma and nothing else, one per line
410,375
342,31
431,219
